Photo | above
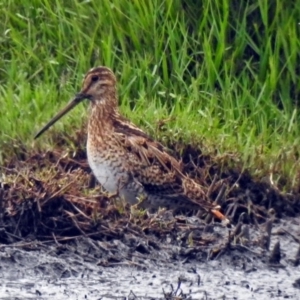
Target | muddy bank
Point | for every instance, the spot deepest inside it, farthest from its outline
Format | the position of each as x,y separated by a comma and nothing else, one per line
62,236
85,269
207,282
55,193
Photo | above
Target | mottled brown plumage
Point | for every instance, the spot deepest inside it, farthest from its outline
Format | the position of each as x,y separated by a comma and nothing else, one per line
127,161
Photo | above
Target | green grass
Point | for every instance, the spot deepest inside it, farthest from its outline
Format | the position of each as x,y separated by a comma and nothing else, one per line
227,72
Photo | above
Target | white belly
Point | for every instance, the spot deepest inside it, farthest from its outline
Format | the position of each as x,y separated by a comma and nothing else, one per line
112,178
107,175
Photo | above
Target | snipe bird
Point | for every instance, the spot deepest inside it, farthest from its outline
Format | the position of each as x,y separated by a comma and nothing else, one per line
125,160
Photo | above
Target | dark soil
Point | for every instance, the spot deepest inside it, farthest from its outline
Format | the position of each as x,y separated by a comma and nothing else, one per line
53,213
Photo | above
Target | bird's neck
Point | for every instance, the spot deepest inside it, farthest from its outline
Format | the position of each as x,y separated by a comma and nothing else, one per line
101,117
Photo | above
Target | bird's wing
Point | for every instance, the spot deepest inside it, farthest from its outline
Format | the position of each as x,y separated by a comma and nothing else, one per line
151,164
158,171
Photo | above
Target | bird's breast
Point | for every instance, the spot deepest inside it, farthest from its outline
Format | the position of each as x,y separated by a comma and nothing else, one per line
107,171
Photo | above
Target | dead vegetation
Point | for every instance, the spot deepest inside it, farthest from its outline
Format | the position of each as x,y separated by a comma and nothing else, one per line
53,196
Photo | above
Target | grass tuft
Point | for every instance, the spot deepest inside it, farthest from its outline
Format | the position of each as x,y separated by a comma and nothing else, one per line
224,74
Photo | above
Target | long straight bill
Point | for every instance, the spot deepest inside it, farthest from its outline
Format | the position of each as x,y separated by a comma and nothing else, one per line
70,105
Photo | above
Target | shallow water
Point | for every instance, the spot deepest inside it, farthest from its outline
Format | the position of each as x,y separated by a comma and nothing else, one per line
80,272
117,283
26,275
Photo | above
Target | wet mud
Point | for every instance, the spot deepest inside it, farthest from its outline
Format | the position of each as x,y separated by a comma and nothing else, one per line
86,269
62,237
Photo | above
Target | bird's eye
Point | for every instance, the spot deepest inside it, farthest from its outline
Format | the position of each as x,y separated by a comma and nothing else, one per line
95,78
